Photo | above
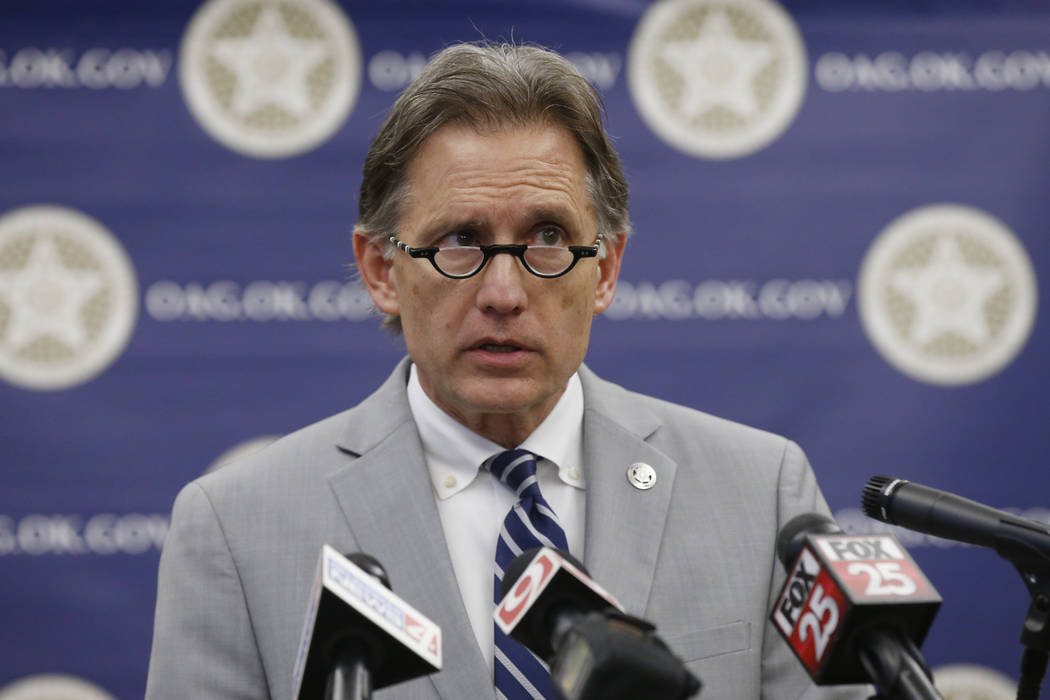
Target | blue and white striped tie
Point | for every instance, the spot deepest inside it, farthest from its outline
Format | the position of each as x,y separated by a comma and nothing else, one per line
530,523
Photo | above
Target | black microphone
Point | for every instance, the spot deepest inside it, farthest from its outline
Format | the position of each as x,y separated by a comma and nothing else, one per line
854,608
359,636
354,655
1024,543
595,650
925,509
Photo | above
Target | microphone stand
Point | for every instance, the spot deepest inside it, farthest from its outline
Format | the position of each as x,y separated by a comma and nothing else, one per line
1033,563
349,677
895,666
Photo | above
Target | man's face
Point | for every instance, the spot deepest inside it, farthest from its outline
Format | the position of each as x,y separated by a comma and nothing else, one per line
494,350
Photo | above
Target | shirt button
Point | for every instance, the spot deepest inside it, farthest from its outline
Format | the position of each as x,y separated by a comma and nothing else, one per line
574,473
450,481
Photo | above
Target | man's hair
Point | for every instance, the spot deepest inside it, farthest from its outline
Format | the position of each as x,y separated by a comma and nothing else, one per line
489,86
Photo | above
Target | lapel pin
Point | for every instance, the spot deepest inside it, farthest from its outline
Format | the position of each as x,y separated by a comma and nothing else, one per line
641,476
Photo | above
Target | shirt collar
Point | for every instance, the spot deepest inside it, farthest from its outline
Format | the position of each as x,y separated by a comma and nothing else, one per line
454,453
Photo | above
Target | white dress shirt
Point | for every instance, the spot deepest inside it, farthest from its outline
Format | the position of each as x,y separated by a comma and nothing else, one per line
472,503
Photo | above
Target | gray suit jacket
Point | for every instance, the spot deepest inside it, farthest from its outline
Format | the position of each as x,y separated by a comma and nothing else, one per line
695,554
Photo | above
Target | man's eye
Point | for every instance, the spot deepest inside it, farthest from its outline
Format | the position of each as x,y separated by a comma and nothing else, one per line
459,238
550,236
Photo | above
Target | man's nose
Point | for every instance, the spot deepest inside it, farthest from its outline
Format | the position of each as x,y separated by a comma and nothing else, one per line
502,287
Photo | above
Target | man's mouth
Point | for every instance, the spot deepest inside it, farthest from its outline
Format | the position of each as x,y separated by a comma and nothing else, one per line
498,348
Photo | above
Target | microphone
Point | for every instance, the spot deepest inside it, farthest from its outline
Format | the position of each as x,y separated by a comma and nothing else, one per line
1024,543
925,509
359,636
595,650
854,608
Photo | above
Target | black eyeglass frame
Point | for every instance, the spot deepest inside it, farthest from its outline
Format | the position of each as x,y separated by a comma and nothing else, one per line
490,251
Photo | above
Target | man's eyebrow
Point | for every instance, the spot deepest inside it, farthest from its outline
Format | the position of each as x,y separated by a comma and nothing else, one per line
448,224
549,214
445,223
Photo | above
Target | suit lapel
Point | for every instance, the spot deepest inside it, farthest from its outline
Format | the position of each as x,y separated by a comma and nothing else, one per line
388,502
625,524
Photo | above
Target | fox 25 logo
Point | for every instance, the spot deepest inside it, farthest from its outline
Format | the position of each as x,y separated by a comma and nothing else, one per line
809,610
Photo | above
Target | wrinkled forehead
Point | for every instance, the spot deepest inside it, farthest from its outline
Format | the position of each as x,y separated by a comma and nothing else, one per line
458,160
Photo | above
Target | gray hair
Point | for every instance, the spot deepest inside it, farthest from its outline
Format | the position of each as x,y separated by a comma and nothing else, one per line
489,86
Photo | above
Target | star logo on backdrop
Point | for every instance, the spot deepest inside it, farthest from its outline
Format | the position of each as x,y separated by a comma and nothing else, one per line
46,298
68,297
717,78
973,682
271,66
270,78
718,68
53,686
947,294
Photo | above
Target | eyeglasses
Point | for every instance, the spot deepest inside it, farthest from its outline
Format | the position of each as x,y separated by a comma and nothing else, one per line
460,262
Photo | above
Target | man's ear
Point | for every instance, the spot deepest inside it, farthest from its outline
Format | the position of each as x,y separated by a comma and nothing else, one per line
609,272
375,270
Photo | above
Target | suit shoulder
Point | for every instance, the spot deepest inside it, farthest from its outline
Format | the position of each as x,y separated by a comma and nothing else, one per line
660,420
290,462
295,468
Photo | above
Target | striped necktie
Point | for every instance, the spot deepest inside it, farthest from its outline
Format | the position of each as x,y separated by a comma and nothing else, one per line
530,523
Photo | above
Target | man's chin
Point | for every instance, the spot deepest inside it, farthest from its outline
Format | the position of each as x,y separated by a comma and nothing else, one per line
500,395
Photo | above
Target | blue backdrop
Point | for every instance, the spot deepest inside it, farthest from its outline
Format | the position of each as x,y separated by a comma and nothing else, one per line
841,236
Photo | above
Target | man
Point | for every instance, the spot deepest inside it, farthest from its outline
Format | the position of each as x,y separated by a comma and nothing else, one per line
493,219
